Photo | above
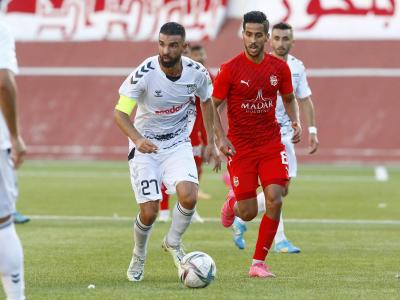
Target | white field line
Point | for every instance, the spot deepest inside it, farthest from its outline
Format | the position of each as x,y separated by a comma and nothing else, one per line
123,150
217,177
216,220
114,71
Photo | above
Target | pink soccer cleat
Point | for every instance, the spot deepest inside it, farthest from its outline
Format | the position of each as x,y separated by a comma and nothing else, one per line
260,270
227,213
227,180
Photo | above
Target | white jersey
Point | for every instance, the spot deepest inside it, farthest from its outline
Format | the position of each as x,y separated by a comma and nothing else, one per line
165,107
8,61
300,88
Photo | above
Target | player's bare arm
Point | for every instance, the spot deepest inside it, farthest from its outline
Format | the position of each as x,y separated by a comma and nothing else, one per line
208,119
307,107
224,145
8,106
292,109
124,123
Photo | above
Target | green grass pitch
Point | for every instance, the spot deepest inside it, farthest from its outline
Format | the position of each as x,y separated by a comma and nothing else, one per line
340,259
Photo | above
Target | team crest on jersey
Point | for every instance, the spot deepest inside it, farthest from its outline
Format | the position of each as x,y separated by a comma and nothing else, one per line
273,80
235,181
191,88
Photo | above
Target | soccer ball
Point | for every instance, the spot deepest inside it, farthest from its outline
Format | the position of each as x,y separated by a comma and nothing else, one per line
198,270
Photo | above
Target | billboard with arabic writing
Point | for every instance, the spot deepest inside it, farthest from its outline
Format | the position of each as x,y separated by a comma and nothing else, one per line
333,19
135,20
77,20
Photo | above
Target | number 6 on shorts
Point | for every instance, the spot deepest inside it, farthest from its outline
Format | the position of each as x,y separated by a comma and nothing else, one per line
284,158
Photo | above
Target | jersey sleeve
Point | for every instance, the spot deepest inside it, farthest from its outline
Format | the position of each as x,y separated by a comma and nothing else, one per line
133,87
286,86
205,87
303,89
222,83
8,59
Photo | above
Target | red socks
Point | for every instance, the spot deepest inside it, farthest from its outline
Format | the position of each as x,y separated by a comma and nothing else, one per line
164,204
266,235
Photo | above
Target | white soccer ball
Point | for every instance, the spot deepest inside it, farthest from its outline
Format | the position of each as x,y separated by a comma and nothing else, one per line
198,269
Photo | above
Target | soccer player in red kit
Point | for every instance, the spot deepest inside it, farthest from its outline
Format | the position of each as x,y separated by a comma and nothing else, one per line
250,83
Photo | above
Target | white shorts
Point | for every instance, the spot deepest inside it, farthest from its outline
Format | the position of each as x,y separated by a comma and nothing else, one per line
286,138
168,167
8,185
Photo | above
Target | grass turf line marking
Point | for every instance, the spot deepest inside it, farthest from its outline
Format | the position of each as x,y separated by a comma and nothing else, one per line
216,220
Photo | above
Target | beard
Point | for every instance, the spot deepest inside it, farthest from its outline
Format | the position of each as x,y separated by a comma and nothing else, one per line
282,51
169,64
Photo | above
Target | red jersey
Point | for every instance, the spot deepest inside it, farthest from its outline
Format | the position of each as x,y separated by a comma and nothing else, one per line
199,134
251,91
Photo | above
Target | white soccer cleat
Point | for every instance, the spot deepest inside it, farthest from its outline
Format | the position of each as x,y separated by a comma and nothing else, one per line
203,195
164,216
196,218
177,254
136,269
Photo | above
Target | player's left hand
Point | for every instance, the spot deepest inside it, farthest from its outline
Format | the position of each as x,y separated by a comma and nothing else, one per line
313,143
18,151
296,132
211,152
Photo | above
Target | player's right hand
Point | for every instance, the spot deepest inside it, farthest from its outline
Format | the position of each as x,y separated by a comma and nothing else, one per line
145,146
226,147
296,132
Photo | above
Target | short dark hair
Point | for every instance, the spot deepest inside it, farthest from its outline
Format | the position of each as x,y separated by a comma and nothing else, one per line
173,28
196,48
256,16
282,26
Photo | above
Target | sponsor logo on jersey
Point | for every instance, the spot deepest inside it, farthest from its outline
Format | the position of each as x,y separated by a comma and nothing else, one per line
273,80
258,105
173,109
157,93
191,88
245,82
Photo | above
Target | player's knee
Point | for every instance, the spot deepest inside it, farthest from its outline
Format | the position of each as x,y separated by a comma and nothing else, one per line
148,213
248,214
274,202
187,195
188,200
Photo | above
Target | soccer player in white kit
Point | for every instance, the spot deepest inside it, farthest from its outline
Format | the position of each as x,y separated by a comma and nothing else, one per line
281,43
12,151
164,88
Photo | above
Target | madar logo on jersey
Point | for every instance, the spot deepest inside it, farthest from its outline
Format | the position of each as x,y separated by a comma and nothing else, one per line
257,105
273,80
191,88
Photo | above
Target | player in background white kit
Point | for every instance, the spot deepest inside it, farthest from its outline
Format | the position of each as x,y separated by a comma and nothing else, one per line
164,88
281,43
12,151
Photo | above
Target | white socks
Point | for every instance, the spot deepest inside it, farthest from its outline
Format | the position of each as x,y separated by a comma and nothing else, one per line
141,234
11,262
181,218
261,203
280,232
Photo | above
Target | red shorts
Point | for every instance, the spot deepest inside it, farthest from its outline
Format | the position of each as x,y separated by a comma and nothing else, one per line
267,164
